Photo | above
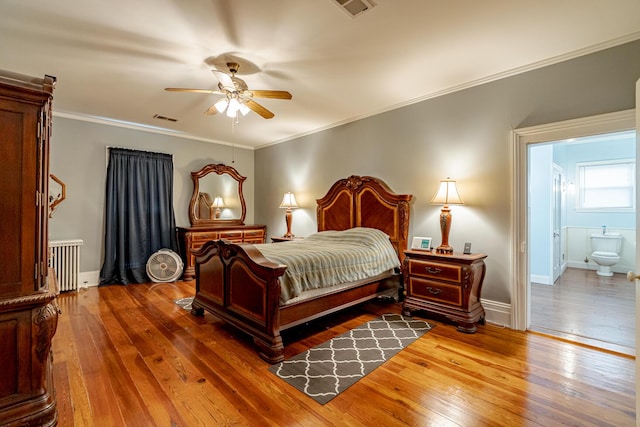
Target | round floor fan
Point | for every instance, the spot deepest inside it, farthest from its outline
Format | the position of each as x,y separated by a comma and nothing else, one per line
164,266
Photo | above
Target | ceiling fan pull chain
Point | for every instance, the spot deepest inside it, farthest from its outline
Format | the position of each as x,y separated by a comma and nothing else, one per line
233,145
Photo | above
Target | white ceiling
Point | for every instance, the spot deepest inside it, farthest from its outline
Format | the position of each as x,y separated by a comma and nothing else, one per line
114,58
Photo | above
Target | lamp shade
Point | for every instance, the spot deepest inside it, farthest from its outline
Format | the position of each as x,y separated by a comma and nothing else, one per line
288,201
447,194
217,202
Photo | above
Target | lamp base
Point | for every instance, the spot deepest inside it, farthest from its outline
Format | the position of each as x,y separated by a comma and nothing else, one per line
442,249
287,217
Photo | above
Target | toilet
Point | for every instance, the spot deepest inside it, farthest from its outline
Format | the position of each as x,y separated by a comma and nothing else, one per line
606,251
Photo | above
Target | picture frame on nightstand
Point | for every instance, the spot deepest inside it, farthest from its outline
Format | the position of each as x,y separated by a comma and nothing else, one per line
421,243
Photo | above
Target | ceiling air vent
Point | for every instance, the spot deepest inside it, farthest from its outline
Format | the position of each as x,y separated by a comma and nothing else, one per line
169,119
354,8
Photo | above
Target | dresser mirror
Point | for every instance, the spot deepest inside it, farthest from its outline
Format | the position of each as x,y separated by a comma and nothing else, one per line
217,197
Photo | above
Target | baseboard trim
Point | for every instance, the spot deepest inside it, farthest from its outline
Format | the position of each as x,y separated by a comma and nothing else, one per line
497,313
87,279
542,280
618,268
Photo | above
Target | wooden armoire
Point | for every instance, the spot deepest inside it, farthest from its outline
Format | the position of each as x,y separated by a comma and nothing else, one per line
28,290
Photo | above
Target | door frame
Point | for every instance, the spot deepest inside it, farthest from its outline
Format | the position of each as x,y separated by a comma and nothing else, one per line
557,179
521,138
635,282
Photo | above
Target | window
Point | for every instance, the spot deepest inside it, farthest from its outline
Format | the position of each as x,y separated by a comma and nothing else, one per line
607,185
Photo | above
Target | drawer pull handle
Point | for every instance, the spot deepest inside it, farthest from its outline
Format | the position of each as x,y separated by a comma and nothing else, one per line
433,270
434,291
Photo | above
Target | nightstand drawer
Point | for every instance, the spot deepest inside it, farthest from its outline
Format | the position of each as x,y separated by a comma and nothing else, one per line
434,291
435,270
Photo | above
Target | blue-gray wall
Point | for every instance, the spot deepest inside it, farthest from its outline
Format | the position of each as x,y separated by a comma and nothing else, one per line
463,135
79,158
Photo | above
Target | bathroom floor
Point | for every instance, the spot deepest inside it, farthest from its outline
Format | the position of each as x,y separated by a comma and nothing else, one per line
584,307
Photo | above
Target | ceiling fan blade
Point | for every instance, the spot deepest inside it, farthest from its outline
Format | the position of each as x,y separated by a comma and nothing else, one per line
225,80
259,109
275,94
211,110
182,89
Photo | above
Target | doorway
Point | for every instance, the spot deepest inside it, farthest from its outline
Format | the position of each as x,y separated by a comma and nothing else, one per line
568,298
562,247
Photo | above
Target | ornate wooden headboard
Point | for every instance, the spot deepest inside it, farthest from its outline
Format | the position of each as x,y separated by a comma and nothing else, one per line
365,201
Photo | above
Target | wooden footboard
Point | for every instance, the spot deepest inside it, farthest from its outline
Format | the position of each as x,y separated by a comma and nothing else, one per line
237,284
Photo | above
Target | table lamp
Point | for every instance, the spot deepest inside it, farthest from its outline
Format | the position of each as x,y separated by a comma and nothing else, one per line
447,195
288,202
217,203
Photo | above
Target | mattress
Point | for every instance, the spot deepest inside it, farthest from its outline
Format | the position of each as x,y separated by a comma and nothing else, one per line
331,258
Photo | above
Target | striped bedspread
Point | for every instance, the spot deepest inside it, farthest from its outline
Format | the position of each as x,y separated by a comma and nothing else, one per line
330,258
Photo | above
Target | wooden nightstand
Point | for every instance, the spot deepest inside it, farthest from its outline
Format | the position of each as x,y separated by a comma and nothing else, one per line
284,239
446,285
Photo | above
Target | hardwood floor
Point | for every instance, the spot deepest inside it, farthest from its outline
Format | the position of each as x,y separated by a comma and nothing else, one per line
584,307
129,356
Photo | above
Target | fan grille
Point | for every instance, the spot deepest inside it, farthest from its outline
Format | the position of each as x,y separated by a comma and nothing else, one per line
164,266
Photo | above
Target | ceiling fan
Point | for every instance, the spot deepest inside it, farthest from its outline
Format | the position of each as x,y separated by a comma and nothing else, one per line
237,96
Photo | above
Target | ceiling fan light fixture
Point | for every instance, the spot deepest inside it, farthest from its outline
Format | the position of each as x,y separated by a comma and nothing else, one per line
244,110
221,105
232,109
236,96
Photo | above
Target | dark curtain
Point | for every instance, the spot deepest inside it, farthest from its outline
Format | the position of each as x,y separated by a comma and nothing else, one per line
139,216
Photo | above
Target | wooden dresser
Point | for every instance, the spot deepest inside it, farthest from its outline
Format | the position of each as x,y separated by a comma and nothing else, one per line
445,285
191,238
28,290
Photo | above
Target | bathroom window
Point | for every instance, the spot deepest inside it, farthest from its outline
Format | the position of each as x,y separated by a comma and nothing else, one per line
607,185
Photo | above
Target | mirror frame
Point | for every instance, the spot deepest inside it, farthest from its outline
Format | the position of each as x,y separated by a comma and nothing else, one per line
219,169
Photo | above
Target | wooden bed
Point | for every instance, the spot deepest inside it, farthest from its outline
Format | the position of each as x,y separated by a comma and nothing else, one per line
237,284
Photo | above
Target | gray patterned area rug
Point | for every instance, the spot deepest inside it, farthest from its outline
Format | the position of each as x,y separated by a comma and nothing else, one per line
331,367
